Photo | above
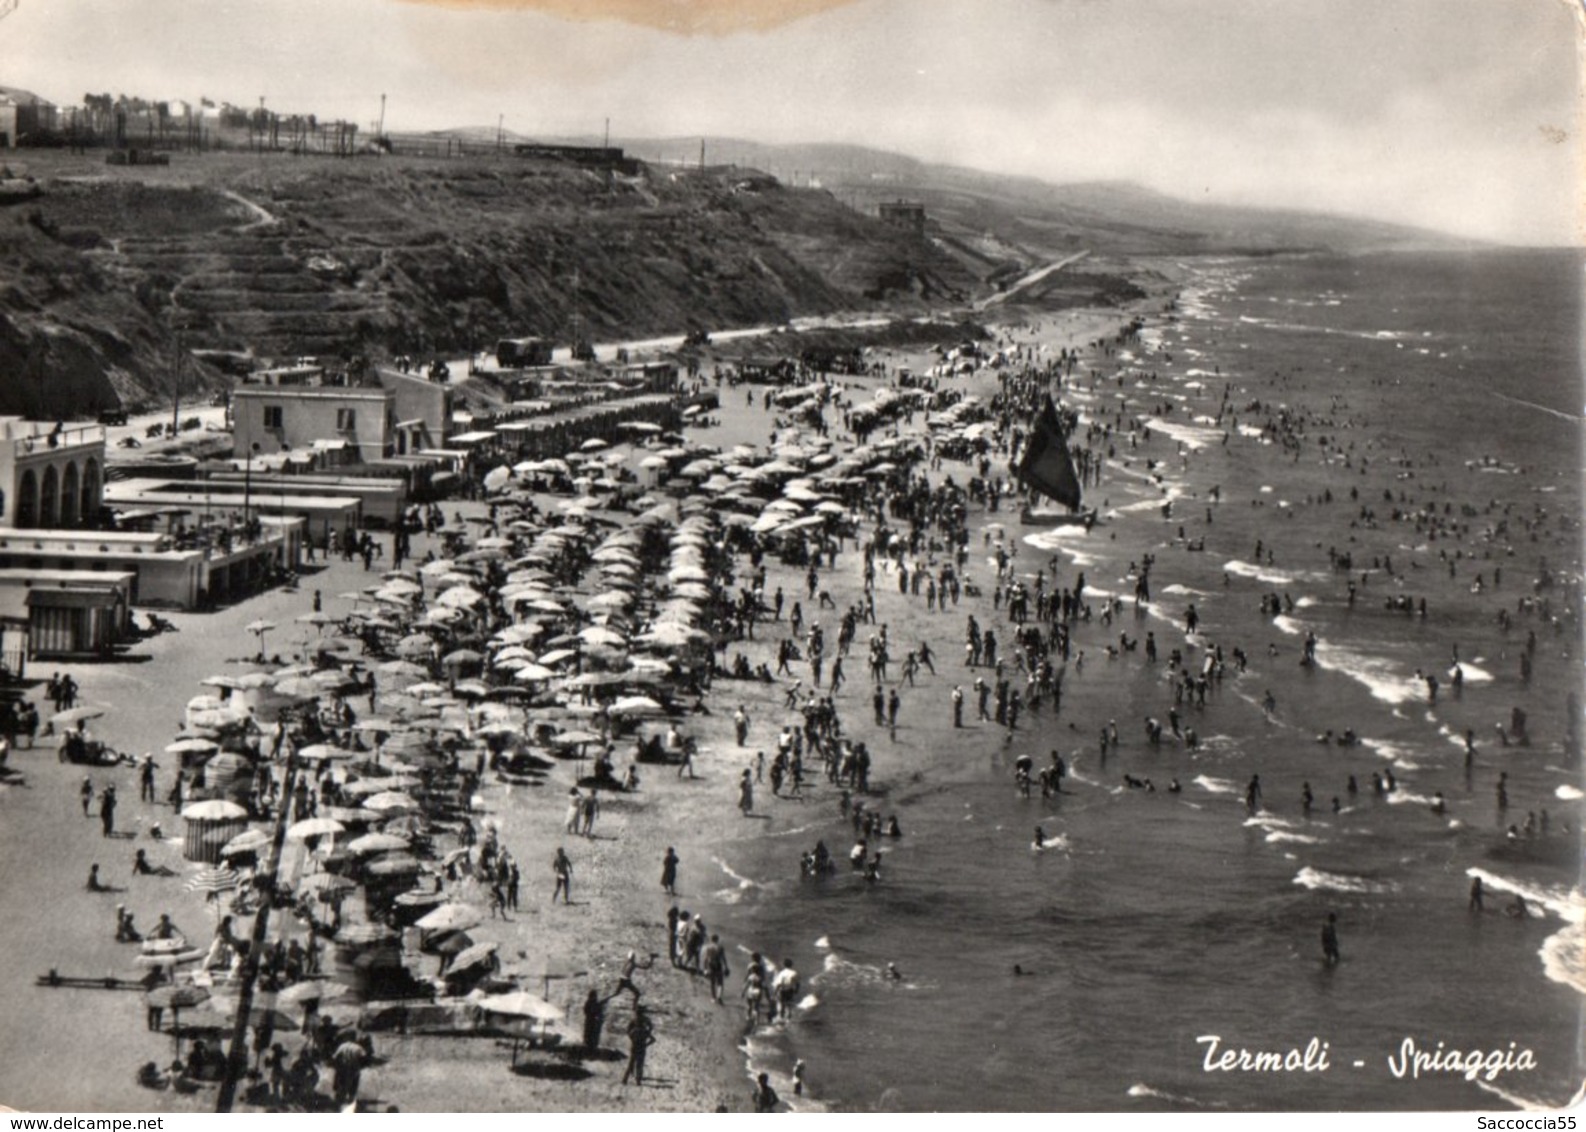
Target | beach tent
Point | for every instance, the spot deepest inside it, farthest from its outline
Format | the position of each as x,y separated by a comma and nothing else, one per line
210,825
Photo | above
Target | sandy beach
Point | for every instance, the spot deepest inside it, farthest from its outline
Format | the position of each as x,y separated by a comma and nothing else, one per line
562,950
619,905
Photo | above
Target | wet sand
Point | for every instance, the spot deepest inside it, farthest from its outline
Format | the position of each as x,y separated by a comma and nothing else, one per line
53,923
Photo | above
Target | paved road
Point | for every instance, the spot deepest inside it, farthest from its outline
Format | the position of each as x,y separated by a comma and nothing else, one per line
137,425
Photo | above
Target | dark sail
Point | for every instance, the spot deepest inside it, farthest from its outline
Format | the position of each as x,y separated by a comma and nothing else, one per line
1045,464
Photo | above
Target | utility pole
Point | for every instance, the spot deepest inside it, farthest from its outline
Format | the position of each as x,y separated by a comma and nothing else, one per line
702,154
605,141
381,131
176,388
500,118
237,1052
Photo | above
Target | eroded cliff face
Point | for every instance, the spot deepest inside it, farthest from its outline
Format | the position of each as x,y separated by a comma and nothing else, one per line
106,280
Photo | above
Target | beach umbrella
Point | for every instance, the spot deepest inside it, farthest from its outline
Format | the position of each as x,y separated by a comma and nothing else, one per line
311,990
450,917
575,738
636,705
231,682
521,1004
599,635
473,956
215,880
318,751
376,843
327,883
260,627
250,841
365,934
314,827
415,645
472,688
411,825
185,746
72,716
215,809
497,478
177,999
350,815
396,864
458,657
297,688
390,800
333,680
318,618
671,634
530,672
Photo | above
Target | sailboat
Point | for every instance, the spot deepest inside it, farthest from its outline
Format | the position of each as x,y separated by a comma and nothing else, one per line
1047,468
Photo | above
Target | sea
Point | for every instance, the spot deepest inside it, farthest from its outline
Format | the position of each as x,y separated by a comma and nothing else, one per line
1158,929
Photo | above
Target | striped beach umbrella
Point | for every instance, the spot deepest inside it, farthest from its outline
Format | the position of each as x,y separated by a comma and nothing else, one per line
217,879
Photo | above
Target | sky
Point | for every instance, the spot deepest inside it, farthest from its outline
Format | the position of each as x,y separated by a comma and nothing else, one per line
1459,115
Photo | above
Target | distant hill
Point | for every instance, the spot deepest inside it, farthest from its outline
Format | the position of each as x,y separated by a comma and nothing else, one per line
1034,220
380,255
285,256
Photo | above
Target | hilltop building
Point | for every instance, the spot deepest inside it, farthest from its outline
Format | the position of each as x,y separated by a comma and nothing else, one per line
23,114
906,214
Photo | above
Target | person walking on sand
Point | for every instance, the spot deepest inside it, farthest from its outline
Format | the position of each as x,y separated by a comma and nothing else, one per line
641,1035
714,959
746,794
107,811
563,868
669,871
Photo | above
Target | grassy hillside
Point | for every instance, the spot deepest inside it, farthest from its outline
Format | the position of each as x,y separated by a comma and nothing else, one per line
110,268
388,255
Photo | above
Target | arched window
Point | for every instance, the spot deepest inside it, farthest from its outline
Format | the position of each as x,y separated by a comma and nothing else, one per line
28,500
70,486
50,498
93,489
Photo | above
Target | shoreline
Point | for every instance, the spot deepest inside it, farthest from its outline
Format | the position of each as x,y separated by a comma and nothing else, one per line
700,1047
732,866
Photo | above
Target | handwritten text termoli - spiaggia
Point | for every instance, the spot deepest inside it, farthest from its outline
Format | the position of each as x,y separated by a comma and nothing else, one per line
1413,1059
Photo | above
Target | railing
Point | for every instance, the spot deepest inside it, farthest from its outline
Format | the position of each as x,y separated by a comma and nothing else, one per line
73,437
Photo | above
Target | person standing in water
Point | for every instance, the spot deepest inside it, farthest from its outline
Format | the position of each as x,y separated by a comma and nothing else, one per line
1330,939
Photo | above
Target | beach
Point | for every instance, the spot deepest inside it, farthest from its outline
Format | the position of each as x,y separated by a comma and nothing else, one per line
1081,975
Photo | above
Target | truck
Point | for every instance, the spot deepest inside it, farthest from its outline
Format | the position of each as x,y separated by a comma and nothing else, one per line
516,353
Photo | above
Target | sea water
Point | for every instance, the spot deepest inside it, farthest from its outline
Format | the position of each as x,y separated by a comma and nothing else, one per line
1161,921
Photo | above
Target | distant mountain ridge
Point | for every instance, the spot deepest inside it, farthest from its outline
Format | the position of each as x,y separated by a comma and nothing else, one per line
1046,218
